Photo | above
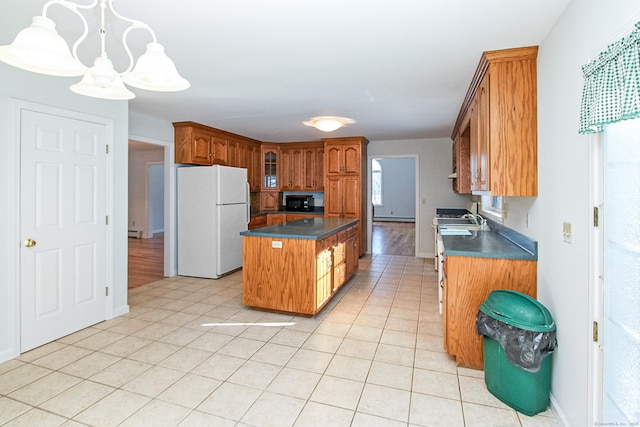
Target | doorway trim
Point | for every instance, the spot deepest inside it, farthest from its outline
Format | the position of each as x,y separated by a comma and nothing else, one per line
416,160
17,106
170,221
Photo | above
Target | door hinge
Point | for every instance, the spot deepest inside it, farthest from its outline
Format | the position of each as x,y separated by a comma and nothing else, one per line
107,148
595,331
106,220
596,216
106,291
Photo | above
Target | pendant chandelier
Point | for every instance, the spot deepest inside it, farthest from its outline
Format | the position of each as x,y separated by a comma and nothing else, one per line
40,49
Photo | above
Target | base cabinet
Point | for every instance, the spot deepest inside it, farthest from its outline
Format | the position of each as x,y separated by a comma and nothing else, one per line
467,283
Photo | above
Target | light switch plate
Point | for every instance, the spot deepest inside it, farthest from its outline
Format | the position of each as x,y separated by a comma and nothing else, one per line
276,244
566,232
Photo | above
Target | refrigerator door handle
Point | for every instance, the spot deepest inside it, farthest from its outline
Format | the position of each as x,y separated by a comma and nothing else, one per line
248,202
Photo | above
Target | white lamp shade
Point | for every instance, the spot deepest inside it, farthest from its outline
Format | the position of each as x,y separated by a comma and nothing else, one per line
156,71
101,81
40,49
328,123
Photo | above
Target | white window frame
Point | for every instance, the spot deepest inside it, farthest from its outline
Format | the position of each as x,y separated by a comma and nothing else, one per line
376,171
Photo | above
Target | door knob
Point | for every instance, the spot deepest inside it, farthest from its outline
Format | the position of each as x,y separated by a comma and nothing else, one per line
29,243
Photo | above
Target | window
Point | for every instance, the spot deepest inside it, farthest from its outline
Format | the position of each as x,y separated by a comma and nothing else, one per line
376,183
491,206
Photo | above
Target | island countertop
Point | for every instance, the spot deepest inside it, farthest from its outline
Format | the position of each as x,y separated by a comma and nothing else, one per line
306,228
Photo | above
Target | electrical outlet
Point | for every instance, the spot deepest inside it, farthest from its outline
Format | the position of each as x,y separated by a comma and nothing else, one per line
566,232
528,219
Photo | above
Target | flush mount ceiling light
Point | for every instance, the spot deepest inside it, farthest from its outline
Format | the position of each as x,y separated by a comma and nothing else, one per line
40,49
328,123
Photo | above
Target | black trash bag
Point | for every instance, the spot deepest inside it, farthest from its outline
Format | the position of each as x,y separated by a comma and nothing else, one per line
521,347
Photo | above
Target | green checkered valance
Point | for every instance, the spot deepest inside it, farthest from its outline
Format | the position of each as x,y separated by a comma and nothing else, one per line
611,90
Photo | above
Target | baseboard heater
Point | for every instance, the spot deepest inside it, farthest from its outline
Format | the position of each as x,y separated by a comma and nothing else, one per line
137,234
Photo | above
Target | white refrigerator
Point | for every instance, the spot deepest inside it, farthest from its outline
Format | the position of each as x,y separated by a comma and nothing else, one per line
213,208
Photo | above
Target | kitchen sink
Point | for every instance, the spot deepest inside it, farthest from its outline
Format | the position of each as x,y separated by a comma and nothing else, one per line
467,226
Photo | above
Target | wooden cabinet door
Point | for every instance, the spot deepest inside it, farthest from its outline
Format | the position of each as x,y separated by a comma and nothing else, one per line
324,279
333,197
273,219
241,157
296,169
351,197
269,201
333,157
308,169
219,150
201,148
232,153
483,133
254,167
270,168
319,169
351,160
313,169
285,169
353,254
474,158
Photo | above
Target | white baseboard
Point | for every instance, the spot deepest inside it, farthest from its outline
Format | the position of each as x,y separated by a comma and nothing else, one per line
557,412
120,311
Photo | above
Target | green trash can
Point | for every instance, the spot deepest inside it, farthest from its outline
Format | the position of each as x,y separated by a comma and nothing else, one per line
519,336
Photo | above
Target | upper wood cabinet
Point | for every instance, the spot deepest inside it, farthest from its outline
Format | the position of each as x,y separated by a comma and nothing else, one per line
291,167
302,166
343,158
499,116
198,144
193,145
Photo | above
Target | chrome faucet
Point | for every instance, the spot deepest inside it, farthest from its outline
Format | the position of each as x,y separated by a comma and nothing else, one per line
472,217
478,220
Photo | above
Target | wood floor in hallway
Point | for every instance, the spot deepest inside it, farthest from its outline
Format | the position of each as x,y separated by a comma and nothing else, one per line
146,260
393,238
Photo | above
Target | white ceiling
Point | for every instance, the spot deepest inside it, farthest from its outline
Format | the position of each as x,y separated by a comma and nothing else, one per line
258,68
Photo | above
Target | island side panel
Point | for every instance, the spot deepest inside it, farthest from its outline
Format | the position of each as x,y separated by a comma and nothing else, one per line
279,278
469,282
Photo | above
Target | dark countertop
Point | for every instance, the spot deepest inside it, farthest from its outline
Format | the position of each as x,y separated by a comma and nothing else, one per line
306,229
498,242
319,210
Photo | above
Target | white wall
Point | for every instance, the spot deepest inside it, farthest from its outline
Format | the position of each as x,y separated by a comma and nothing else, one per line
565,169
434,166
139,203
53,91
398,189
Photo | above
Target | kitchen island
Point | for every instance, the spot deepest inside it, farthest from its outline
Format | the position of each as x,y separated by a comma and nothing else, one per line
298,266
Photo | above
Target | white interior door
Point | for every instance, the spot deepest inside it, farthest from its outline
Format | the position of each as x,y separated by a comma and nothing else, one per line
62,226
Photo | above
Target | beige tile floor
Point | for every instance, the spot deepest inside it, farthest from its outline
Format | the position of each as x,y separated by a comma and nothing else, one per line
189,354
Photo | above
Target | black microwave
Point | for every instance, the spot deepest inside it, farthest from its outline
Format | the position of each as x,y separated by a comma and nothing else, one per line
300,203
